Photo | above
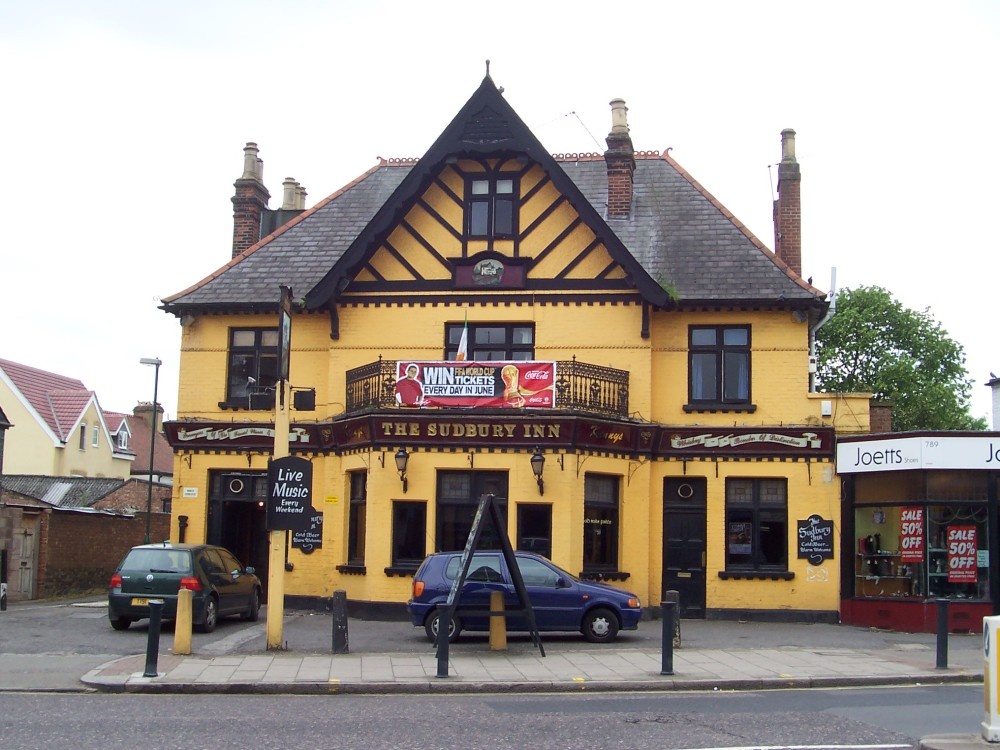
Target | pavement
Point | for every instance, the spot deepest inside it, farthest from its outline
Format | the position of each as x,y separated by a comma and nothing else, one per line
394,657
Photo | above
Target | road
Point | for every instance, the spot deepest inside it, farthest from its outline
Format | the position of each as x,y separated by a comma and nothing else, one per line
887,718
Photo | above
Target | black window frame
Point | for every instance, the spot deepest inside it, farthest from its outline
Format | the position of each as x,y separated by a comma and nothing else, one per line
457,499
259,361
484,211
601,508
721,352
357,524
409,534
761,507
482,347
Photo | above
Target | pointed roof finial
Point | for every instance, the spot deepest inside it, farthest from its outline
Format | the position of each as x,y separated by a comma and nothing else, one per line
487,68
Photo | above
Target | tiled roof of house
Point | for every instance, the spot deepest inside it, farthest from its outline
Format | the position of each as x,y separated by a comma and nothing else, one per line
59,400
61,492
678,236
163,455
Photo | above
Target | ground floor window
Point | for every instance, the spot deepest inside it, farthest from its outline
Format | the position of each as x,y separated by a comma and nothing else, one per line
600,523
757,524
409,529
458,494
358,518
922,550
534,528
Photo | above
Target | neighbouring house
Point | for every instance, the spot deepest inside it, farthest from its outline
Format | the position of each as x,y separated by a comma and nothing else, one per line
60,428
68,467
593,339
65,535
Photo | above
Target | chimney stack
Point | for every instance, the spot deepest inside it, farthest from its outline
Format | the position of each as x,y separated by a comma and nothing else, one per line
620,159
788,206
249,201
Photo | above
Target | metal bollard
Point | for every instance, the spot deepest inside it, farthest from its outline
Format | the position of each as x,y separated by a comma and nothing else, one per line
669,618
153,640
183,623
338,606
675,596
942,634
444,621
3,580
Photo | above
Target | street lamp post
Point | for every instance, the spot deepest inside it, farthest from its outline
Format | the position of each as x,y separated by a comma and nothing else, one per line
155,362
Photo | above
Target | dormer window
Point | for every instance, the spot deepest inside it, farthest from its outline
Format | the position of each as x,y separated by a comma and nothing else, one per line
491,207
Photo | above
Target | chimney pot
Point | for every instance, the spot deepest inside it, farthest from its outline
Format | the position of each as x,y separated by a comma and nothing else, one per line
250,161
289,198
249,201
788,145
619,116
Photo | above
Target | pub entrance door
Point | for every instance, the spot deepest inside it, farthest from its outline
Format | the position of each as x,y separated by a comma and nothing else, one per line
684,526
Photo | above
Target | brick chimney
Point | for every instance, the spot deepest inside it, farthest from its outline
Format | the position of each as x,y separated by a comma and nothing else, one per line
788,206
144,411
620,158
249,201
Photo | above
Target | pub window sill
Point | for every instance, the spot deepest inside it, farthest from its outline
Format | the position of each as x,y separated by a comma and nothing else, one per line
604,575
401,571
756,575
715,406
352,569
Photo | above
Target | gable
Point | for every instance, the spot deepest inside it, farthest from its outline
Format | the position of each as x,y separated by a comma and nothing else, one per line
554,244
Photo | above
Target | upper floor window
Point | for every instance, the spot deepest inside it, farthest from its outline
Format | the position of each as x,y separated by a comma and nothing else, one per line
253,367
123,439
757,524
95,439
719,366
490,210
492,341
83,437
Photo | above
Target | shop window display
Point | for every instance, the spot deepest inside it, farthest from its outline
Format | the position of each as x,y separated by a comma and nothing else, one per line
922,551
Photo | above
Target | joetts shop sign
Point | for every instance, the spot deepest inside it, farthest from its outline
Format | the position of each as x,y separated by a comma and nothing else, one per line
289,494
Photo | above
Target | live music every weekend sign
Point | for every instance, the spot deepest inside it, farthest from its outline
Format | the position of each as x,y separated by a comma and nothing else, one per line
508,384
289,494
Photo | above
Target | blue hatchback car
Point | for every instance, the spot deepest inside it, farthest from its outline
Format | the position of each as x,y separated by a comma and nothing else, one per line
561,601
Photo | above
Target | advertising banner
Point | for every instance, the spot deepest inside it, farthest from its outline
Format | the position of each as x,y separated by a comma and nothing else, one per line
507,385
911,535
289,490
962,554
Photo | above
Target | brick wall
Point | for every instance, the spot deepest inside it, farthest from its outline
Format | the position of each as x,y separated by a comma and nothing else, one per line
82,549
133,496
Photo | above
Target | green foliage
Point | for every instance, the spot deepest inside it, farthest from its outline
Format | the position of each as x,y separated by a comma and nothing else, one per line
874,344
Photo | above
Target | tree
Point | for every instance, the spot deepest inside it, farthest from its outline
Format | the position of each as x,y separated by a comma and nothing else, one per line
874,344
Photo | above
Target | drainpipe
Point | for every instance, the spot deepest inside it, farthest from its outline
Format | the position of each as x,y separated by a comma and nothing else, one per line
830,312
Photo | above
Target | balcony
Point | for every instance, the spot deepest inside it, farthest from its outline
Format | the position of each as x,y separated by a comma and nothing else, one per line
579,387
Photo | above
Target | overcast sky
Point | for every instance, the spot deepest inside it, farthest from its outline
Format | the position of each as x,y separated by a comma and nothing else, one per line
124,124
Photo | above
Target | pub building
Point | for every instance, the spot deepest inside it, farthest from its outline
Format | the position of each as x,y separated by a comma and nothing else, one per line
920,509
593,339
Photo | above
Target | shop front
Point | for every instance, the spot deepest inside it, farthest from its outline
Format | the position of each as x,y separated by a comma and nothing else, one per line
920,511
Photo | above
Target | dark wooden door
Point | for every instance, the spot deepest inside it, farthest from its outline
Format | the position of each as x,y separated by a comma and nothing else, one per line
684,524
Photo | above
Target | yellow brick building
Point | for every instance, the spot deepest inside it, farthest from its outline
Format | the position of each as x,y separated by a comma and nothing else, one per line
596,341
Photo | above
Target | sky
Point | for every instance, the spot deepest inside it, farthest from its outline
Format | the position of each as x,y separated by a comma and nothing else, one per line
124,124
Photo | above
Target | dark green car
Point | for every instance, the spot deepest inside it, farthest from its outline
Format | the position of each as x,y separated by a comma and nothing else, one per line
220,584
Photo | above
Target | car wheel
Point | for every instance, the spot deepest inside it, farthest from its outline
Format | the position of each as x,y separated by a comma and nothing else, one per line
600,626
211,618
431,626
253,611
120,623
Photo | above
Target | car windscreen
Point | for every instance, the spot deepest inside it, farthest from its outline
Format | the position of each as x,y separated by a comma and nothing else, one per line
158,561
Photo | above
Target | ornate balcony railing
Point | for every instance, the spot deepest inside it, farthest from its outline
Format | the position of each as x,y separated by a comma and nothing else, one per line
579,386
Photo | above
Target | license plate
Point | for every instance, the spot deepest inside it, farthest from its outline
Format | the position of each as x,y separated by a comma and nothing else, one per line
136,602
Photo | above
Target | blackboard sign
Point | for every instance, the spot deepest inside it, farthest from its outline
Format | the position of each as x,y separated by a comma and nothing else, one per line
815,539
289,494
311,538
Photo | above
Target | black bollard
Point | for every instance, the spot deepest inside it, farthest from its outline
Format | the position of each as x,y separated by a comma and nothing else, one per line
339,608
942,634
153,639
669,618
444,620
3,580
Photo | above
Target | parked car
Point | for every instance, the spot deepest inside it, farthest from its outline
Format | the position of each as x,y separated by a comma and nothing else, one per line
220,584
560,600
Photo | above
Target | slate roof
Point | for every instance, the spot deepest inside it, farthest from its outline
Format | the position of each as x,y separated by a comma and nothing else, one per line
678,236
58,399
61,492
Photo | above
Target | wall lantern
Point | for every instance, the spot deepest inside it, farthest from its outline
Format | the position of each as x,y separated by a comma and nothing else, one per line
402,457
537,464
